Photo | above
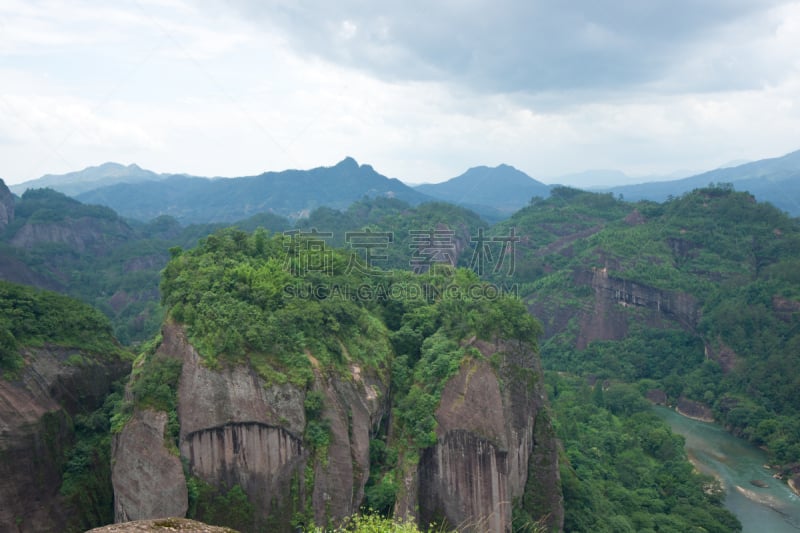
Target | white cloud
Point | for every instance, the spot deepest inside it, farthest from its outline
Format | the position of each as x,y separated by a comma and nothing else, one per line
197,87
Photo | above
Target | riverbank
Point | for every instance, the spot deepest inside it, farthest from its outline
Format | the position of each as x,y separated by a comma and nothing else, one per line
694,410
736,464
792,482
707,419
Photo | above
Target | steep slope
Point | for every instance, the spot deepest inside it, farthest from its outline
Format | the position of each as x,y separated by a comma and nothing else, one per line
494,192
89,252
775,180
303,394
6,206
74,183
700,293
57,363
494,447
291,193
405,236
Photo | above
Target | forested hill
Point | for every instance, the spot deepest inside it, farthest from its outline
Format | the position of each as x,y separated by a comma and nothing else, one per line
291,193
698,296
633,294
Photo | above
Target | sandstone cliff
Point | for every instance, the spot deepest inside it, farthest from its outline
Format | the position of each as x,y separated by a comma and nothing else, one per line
82,235
495,445
6,206
495,448
36,408
236,429
604,316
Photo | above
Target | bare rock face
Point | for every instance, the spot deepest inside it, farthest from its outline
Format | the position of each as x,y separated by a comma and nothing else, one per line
148,480
723,354
235,429
784,308
607,318
495,447
353,408
36,430
6,206
696,410
82,235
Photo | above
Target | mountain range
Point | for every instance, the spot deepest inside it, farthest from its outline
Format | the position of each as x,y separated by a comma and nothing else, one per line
775,180
291,193
492,192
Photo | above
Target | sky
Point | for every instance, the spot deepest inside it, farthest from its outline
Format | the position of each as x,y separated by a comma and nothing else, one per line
421,90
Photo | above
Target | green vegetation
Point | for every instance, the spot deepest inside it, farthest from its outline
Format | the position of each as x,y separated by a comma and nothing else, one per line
256,299
409,229
230,508
90,253
375,523
623,469
732,265
30,317
153,385
86,483
285,304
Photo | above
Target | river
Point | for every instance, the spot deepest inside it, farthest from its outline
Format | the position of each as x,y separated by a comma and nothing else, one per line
736,462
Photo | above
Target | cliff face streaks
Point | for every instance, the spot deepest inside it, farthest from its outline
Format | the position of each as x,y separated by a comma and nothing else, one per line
489,452
36,429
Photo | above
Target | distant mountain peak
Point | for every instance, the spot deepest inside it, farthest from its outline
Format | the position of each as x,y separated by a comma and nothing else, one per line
347,163
491,191
79,181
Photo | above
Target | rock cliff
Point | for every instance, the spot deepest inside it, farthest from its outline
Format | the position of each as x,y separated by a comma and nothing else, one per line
495,448
237,429
6,206
36,410
82,235
148,480
604,317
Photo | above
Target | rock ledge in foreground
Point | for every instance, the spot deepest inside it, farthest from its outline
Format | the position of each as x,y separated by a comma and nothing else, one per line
162,525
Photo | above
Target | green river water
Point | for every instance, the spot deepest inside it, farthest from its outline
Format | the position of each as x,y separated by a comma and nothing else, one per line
735,462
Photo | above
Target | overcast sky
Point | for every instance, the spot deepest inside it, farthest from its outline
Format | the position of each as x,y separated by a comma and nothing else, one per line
421,90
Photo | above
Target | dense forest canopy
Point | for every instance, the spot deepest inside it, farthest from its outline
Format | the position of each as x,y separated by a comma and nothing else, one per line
270,292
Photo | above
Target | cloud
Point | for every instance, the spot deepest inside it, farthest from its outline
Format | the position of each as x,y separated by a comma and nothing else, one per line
527,46
421,91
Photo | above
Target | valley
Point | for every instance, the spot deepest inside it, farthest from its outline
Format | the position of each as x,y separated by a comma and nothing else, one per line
356,344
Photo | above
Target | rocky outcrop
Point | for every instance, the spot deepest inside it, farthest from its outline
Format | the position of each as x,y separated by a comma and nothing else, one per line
694,410
353,409
495,445
495,448
15,271
607,319
784,308
722,354
162,525
236,429
6,206
81,235
36,429
148,479
656,396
